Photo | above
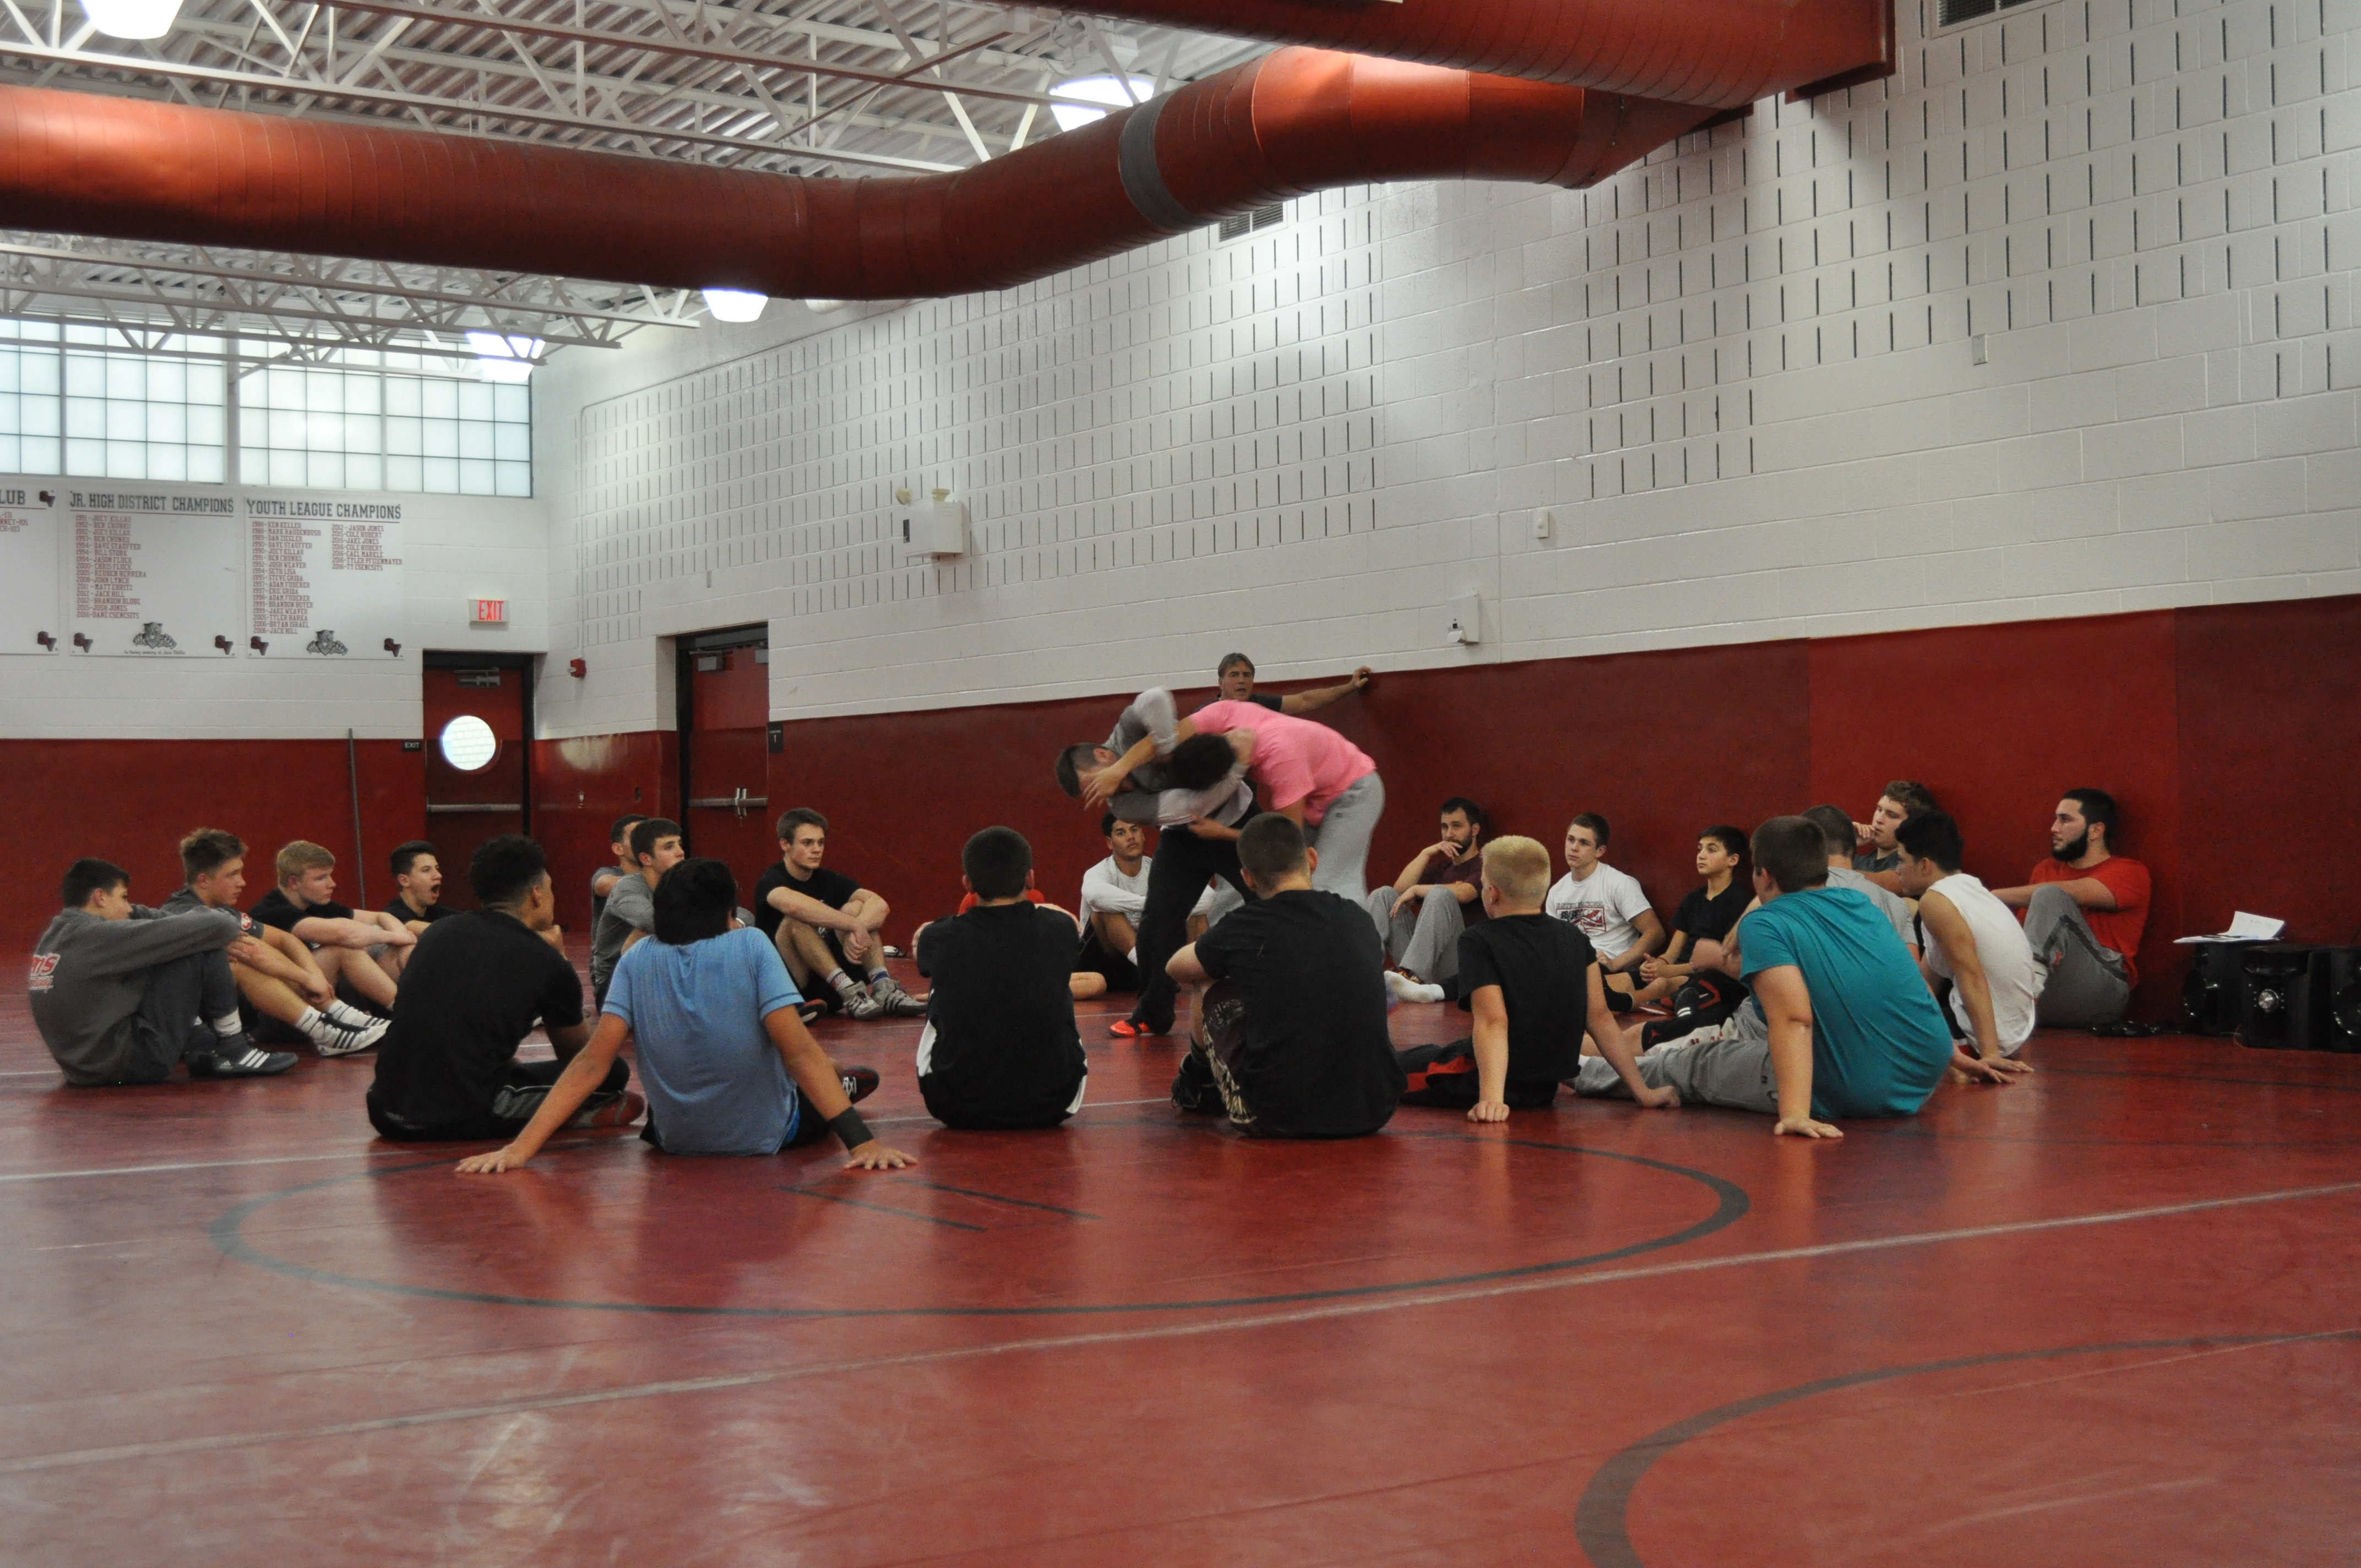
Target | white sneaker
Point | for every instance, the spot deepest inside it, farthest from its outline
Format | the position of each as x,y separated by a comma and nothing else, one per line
335,1039
350,1016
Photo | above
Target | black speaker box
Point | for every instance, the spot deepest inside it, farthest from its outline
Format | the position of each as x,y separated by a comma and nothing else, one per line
2284,1010
2214,993
2340,991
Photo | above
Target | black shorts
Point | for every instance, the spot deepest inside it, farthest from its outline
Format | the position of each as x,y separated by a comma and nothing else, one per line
518,1101
1095,957
1446,1076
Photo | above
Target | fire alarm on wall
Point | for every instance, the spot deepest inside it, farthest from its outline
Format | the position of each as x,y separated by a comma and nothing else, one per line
487,612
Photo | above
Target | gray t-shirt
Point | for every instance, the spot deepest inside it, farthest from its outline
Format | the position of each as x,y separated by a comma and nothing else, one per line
1152,800
631,906
1152,717
1897,914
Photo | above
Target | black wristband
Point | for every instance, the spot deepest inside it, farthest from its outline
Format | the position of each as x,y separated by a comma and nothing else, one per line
849,1128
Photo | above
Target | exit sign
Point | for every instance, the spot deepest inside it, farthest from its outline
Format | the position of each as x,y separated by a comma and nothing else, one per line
489,612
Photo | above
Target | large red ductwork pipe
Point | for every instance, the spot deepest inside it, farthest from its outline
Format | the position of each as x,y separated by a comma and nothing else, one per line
1296,121
1725,53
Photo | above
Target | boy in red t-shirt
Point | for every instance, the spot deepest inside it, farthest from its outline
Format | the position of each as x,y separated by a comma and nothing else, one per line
2085,908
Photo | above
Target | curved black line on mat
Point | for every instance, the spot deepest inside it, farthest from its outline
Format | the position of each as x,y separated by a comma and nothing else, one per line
1732,1204
1601,1520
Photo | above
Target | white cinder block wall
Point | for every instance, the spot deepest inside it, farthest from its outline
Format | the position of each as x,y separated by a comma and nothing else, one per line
2060,319
454,549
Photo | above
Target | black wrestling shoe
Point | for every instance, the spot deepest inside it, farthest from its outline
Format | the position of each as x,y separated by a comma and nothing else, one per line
860,1082
241,1059
1193,1088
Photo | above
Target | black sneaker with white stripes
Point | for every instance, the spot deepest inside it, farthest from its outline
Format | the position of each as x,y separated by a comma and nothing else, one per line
240,1059
860,1082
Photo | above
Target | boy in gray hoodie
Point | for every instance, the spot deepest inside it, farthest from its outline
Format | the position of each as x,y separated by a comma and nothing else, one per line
120,993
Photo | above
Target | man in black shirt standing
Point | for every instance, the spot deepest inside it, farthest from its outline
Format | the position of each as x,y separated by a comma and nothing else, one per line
1000,1049
1532,984
1290,1037
826,925
475,985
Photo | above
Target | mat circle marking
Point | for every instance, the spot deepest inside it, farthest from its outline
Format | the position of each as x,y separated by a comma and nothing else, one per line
229,1233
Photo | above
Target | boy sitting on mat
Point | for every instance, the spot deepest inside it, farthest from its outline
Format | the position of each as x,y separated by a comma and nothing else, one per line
447,1069
728,1066
1000,1049
1851,1030
1532,982
1290,1037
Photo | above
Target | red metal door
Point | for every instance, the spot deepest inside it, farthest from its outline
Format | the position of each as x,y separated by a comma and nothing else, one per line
477,757
725,716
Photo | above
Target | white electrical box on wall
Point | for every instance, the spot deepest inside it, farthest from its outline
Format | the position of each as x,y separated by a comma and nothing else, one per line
930,530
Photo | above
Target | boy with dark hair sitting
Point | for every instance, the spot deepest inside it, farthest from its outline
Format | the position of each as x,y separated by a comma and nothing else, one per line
629,914
120,992
710,1014
1706,914
1290,1037
1532,984
1000,1049
603,880
417,899
475,986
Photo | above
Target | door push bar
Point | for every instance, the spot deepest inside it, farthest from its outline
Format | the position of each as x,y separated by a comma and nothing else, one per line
740,802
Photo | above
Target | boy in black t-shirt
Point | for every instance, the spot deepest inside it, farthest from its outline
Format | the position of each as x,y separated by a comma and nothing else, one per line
1000,1049
1532,984
1290,1037
447,1071
361,952
826,926
417,900
1708,914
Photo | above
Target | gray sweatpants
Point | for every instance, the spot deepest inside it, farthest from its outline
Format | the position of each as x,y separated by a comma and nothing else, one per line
1343,838
1425,941
1726,1065
2087,983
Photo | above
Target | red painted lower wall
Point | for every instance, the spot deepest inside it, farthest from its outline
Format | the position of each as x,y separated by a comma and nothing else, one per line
130,801
2230,735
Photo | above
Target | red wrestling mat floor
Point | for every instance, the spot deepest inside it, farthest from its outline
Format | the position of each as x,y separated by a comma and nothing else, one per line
2105,1316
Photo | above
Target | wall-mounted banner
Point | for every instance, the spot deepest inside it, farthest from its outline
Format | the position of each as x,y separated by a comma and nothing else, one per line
28,566
323,574
155,567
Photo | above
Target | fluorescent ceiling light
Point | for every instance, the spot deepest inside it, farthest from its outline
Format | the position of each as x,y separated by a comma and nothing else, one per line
1107,90
501,359
735,304
132,18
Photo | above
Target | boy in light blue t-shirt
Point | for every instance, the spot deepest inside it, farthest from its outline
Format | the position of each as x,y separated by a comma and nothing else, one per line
726,1062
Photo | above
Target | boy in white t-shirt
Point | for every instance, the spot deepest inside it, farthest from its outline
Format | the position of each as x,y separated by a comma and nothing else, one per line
1114,897
1973,941
1605,906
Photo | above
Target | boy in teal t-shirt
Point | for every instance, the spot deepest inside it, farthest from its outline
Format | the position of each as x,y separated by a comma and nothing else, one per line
1879,1046
1852,1028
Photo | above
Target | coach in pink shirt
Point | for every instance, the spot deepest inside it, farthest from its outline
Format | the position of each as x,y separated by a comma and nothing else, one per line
1303,770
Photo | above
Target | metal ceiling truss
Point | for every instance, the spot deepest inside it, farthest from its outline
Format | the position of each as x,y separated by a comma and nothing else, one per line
826,87
310,301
